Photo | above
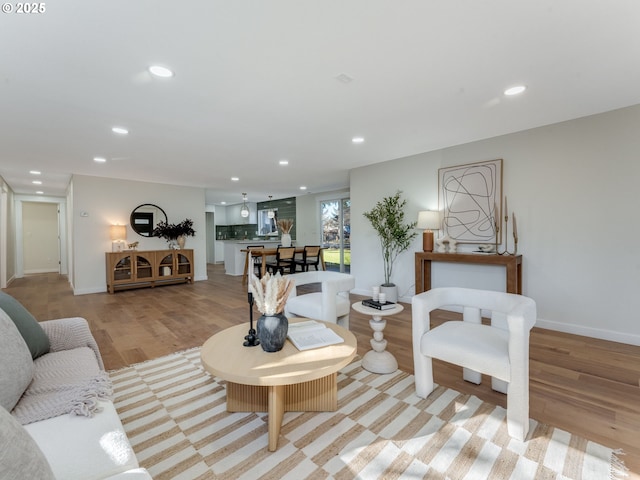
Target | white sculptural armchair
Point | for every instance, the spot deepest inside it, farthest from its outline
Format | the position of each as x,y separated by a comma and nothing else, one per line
331,304
500,350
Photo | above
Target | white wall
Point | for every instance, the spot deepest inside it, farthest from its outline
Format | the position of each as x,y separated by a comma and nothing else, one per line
101,202
573,189
233,217
68,229
7,234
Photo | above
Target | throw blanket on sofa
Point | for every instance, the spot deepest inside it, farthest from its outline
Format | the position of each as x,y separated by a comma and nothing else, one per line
64,382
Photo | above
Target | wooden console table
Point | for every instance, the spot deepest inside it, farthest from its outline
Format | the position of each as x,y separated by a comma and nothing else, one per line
148,268
513,264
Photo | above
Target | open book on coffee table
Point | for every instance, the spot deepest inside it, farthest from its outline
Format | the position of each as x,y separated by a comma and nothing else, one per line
311,334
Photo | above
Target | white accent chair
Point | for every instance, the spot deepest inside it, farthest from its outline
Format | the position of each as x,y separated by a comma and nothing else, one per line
500,350
331,304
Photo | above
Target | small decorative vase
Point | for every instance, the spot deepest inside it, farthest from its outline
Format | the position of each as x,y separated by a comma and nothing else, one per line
272,331
181,240
286,240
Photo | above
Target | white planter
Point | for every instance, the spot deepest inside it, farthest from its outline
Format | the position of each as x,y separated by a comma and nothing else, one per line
391,292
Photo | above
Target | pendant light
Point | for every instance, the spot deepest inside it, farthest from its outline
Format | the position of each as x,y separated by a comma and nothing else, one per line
270,212
244,210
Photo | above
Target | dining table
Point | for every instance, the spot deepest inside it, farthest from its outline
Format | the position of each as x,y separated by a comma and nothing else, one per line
268,252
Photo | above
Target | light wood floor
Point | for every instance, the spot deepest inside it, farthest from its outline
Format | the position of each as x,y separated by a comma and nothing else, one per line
586,386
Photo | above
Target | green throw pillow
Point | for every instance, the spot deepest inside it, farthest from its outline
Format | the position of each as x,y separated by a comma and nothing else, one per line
28,326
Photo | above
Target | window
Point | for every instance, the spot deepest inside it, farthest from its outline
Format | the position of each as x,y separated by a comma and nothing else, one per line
335,226
266,225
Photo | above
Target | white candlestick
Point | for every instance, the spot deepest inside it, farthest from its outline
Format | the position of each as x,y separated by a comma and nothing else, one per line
515,228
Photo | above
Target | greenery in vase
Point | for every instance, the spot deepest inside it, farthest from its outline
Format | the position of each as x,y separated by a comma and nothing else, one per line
387,218
171,231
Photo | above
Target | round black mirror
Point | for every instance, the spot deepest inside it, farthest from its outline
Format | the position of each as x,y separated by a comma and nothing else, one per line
145,217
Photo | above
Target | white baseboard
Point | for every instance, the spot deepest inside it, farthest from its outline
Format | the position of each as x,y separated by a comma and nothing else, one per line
620,337
367,293
87,291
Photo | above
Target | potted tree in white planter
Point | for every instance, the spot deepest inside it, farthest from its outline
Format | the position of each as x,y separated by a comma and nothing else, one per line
387,218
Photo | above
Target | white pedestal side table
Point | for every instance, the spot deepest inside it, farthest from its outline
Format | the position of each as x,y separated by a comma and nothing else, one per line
378,360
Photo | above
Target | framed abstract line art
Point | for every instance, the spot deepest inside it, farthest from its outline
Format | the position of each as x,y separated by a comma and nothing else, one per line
470,197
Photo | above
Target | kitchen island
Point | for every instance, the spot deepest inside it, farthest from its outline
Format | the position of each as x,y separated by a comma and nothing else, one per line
234,258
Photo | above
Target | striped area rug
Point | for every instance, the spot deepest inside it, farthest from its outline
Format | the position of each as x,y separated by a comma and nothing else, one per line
175,416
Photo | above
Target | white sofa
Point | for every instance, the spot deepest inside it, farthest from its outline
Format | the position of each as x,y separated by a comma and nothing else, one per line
56,418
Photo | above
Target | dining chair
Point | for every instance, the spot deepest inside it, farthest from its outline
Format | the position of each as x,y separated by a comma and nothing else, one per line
499,349
257,261
284,260
310,258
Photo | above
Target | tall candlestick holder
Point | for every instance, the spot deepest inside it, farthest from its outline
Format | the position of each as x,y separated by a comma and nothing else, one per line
506,237
251,339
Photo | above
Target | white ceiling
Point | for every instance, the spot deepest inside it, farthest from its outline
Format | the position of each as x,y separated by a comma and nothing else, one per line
255,82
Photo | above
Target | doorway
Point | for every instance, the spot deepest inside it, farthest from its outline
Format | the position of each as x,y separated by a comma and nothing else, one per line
40,238
335,217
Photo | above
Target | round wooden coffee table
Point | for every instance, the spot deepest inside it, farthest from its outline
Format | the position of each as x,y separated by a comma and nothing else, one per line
286,381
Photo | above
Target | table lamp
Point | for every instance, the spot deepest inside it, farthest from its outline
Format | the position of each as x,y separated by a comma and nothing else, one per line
428,220
118,236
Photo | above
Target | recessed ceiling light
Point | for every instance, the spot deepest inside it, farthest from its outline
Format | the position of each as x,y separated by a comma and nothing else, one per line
99,159
35,172
120,130
515,90
40,192
160,71
303,187
235,179
284,162
223,203
37,182
357,140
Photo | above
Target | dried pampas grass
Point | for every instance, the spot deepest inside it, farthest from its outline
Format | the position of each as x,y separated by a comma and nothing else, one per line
285,225
270,293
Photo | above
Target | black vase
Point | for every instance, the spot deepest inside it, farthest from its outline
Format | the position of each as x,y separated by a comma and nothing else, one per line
272,331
